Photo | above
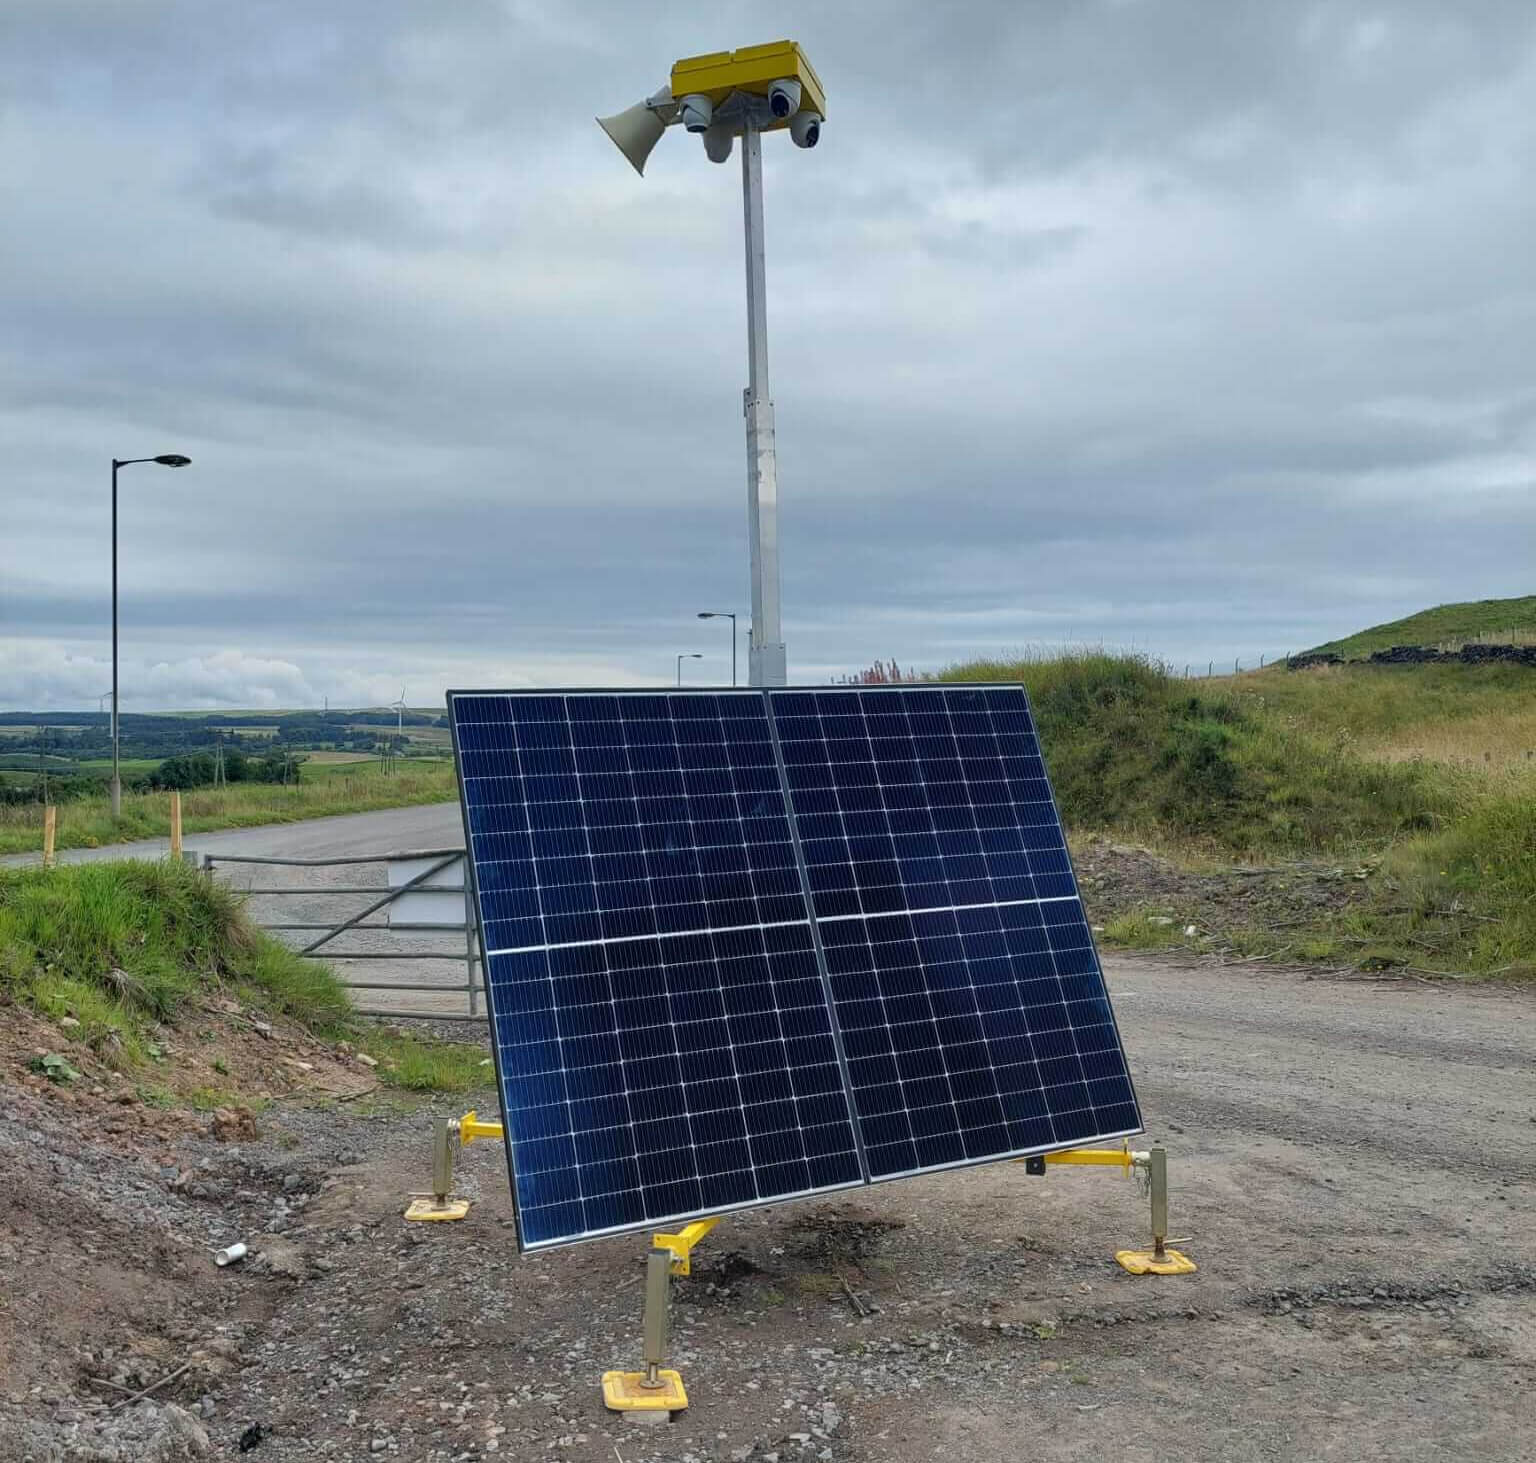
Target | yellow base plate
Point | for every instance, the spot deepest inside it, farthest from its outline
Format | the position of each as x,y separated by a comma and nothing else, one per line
627,1392
1144,1262
428,1210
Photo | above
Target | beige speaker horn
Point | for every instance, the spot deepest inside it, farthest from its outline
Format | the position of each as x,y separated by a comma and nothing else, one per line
635,132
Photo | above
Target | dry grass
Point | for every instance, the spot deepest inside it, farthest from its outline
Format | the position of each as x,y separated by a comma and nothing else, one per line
1495,741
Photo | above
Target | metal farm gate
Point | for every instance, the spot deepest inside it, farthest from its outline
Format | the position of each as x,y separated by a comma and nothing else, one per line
407,918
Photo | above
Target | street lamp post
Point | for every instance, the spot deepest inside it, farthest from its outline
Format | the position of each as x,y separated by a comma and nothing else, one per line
724,615
686,655
166,459
722,96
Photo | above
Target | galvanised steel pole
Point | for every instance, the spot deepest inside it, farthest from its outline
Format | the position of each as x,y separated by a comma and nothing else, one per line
117,786
766,656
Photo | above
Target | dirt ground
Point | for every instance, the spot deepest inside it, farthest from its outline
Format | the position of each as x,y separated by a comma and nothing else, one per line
1353,1161
1120,878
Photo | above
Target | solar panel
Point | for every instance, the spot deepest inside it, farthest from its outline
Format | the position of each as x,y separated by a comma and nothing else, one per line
662,1032
744,946
972,1008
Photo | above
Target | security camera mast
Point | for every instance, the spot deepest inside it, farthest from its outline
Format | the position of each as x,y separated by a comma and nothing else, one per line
721,96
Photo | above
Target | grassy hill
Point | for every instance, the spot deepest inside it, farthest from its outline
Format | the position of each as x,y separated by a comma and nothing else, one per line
1387,771
1500,620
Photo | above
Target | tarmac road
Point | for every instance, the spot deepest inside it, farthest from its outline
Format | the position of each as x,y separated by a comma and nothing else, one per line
435,825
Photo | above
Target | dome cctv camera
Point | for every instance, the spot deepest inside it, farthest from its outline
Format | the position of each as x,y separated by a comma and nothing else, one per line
784,98
805,129
696,112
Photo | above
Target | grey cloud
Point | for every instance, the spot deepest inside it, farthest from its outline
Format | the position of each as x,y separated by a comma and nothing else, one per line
1199,328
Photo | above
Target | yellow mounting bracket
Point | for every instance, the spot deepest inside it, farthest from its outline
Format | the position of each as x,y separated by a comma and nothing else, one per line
680,1245
470,1128
1160,1259
1121,1157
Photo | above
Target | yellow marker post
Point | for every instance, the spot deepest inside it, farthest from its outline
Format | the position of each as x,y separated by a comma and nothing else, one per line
50,829
176,826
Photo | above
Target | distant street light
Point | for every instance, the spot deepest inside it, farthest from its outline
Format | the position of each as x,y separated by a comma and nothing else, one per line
686,655
166,459
722,96
724,615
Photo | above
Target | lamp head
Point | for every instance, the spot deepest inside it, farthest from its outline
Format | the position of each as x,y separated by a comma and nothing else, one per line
173,459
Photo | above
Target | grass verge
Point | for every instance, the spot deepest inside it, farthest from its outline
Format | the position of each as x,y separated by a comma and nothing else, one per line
121,948
88,823
421,1064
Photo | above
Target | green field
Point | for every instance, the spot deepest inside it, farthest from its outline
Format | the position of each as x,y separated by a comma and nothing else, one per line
129,766
331,766
1503,621
87,822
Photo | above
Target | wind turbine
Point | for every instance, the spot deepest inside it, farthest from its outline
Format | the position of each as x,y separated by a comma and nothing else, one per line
398,707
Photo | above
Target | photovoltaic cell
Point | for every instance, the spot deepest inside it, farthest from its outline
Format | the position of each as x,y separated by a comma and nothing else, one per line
972,1008
743,946
663,1038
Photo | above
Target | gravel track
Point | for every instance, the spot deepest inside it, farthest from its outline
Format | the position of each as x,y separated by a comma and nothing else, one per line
1354,1162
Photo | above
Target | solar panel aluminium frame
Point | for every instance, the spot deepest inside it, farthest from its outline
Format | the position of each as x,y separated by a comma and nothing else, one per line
766,694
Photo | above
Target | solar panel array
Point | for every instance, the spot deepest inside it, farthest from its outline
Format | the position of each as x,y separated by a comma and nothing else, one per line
746,946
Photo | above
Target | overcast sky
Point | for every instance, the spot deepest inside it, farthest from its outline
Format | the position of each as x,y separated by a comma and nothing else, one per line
1203,328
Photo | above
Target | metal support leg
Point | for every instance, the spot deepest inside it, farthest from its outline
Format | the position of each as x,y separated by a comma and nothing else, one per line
440,1203
658,1277
1158,1174
657,1390
442,1162
1160,1259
